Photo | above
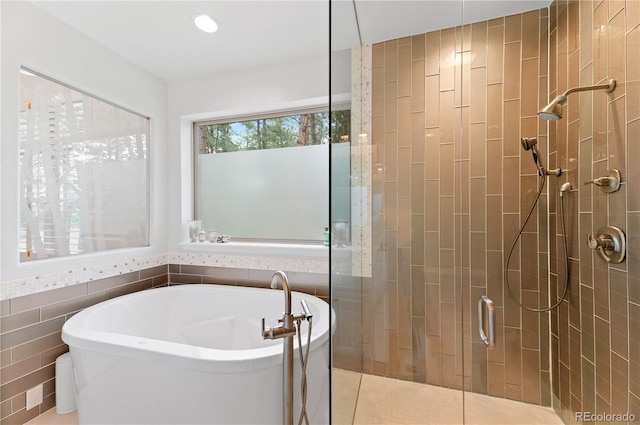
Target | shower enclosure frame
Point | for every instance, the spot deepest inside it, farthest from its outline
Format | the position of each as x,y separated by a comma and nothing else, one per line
464,71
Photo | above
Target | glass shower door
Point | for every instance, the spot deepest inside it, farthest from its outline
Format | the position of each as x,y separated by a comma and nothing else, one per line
504,69
346,280
439,187
396,286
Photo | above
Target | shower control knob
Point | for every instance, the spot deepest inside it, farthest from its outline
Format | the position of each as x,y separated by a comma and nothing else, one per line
609,183
609,243
601,242
600,181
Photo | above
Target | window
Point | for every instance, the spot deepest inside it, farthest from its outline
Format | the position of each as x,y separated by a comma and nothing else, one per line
84,181
264,177
264,133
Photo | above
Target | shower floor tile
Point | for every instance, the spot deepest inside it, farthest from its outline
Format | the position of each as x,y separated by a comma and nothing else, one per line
386,401
344,396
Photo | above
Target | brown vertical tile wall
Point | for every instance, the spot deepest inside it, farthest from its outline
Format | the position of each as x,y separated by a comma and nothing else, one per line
452,194
346,301
311,283
596,332
30,342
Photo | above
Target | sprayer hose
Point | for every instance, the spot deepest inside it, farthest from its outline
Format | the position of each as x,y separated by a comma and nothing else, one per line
564,246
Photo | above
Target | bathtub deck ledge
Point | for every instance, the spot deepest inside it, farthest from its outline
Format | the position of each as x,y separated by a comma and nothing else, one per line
261,249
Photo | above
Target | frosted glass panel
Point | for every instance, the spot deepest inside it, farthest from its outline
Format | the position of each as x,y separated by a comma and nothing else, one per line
340,188
84,170
277,194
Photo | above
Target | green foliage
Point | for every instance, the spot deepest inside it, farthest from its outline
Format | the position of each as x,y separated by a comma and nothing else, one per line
265,133
217,138
340,126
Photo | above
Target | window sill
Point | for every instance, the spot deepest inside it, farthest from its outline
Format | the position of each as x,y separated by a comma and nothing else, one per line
260,249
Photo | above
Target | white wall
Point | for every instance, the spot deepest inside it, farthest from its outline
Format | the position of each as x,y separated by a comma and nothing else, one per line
248,91
1,138
32,38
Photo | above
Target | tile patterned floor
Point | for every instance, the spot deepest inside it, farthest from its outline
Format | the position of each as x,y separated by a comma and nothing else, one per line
384,401
374,400
50,417
344,395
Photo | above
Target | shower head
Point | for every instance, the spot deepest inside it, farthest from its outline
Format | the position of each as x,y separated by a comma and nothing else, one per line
553,111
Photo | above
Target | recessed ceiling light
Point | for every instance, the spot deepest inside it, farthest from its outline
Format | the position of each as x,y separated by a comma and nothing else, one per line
205,23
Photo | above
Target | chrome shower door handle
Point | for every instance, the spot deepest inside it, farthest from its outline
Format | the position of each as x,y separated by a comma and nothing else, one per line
489,341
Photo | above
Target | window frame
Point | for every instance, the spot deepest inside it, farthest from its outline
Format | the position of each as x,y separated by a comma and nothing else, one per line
238,118
146,156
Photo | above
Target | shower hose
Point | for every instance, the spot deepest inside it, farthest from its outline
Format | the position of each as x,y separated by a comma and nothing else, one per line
564,248
303,365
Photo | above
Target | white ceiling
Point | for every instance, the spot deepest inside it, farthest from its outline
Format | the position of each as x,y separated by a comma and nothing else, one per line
159,36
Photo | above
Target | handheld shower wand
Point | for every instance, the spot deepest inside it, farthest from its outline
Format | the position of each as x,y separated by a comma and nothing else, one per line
529,143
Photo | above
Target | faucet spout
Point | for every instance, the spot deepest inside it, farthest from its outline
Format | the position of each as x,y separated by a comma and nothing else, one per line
282,277
286,330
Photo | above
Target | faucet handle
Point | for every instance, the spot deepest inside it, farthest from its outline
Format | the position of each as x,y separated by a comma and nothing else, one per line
600,241
266,333
600,181
610,243
276,332
609,183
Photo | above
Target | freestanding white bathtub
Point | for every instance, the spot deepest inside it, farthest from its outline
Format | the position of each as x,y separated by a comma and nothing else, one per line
193,354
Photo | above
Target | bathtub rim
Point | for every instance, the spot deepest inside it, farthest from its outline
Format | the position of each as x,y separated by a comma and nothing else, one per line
81,338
